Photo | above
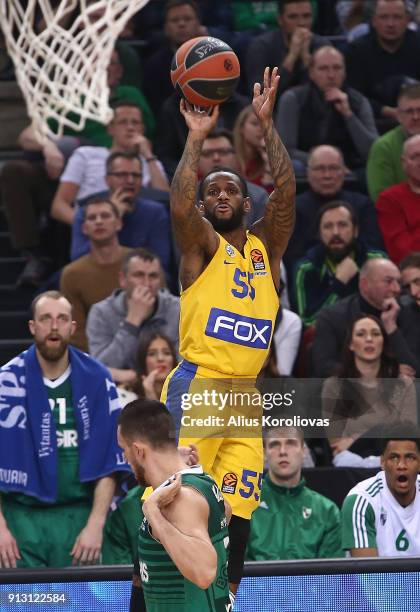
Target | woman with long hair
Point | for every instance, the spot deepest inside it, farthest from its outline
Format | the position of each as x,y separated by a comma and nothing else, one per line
367,392
156,357
250,150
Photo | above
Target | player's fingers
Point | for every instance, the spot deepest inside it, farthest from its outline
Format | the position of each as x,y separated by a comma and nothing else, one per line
266,78
257,89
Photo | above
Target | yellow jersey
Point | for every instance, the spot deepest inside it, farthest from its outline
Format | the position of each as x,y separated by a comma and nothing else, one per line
228,313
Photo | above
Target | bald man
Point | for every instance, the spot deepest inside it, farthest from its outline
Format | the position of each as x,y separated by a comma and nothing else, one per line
326,111
326,172
398,207
379,290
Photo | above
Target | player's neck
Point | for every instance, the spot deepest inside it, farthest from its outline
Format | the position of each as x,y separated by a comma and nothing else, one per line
405,499
164,465
236,237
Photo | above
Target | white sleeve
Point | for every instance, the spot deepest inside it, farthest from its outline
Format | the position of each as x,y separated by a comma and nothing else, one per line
286,340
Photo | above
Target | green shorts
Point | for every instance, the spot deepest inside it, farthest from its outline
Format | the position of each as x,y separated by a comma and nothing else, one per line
45,535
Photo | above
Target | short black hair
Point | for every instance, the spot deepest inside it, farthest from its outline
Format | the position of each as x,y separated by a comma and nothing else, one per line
175,3
124,154
410,261
283,3
403,430
149,420
332,206
222,169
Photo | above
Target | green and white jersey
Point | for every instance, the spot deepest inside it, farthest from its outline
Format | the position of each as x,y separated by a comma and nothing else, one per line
165,588
60,397
372,518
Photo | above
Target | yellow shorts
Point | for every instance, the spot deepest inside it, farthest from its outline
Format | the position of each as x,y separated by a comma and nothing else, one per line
222,417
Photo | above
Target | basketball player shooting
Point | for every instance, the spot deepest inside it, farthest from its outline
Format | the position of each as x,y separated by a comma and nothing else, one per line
230,280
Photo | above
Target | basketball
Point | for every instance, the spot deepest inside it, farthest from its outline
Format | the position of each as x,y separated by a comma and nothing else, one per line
205,71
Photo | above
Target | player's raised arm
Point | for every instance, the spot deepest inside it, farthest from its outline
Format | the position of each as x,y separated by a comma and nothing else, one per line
279,214
191,230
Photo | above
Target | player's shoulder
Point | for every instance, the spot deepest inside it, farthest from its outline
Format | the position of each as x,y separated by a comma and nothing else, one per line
370,488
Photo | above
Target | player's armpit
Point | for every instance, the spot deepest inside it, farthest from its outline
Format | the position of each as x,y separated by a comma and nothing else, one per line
364,552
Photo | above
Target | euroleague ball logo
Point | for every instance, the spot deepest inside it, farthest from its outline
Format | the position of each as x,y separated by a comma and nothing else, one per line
228,65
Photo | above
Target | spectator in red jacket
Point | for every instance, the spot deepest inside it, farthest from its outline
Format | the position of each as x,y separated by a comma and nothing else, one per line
398,207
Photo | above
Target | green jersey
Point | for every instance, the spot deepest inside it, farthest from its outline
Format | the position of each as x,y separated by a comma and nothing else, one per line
165,588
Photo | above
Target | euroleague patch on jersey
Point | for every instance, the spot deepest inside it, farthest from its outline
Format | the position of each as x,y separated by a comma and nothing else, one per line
257,259
238,329
230,250
229,483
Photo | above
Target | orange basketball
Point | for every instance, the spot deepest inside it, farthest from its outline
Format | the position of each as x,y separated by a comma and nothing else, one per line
205,71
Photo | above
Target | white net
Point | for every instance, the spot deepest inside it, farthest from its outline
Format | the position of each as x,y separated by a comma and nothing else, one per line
62,70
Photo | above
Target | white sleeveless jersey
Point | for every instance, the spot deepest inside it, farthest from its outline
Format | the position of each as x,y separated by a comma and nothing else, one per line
372,518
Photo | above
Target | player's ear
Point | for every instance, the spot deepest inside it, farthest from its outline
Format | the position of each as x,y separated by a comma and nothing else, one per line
247,204
200,207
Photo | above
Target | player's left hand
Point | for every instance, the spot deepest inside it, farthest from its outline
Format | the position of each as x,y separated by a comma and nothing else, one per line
263,101
88,544
189,454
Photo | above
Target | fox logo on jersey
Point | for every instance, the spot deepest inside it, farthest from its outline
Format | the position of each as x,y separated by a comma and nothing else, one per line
231,327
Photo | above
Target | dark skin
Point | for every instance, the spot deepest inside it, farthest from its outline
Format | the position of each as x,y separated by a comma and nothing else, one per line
195,235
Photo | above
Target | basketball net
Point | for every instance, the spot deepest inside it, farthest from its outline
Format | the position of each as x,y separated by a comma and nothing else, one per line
62,72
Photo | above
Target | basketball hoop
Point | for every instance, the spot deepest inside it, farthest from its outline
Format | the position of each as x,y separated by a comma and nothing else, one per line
62,72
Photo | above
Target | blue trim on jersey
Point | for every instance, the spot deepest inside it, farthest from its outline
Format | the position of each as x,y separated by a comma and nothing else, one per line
178,385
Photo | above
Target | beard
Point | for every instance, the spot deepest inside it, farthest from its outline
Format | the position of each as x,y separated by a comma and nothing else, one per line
226,225
338,254
51,353
140,475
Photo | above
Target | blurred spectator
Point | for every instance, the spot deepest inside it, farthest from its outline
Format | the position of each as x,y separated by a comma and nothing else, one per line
384,167
85,172
379,288
379,62
290,46
218,150
285,344
330,270
59,451
366,394
352,13
381,515
326,111
398,207
144,222
116,324
292,521
254,15
172,131
410,277
182,22
250,149
94,276
326,173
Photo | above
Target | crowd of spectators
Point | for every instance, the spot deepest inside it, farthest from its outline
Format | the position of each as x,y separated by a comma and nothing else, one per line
348,113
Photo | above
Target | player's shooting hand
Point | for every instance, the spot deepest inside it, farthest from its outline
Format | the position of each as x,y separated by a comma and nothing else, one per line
88,544
164,495
189,454
149,384
264,99
200,121
9,551
390,310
